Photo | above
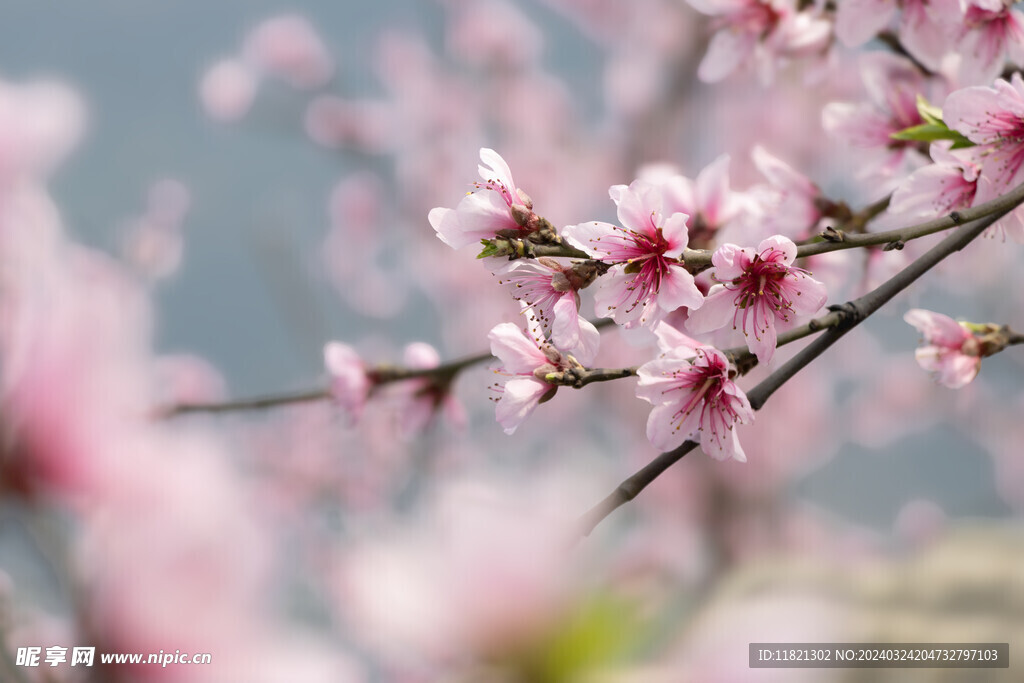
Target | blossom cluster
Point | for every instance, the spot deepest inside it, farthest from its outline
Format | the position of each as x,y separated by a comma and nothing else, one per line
642,282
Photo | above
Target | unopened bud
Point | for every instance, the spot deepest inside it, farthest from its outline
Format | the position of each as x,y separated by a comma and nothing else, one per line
521,214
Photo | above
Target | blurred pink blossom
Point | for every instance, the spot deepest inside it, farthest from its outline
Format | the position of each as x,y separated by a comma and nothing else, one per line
289,47
765,33
350,384
950,350
228,89
893,84
989,34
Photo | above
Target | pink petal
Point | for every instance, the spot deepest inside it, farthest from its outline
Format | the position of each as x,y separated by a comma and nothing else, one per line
780,245
677,290
519,399
937,328
718,310
587,236
858,21
713,192
495,169
518,354
665,435
727,50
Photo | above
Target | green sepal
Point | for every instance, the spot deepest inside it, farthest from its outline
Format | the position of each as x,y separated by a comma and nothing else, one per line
490,249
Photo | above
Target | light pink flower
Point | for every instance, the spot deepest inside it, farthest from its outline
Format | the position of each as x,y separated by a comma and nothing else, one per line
761,291
418,400
647,281
547,291
993,119
990,33
893,84
350,385
227,89
952,183
924,28
950,350
789,204
493,207
760,32
524,361
707,201
694,399
289,47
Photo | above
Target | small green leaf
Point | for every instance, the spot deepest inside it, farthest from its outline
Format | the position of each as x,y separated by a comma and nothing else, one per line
490,249
930,132
929,112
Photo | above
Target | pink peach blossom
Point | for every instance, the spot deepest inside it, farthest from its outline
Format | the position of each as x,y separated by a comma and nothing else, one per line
761,291
227,89
694,398
893,84
289,47
545,289
950,349
524,361
707,200
993,119
990,33
350,384
647,281
482,214
761,32
924,29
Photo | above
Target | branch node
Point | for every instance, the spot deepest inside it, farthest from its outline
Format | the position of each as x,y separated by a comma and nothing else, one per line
956,217
830,234
896,245
850,312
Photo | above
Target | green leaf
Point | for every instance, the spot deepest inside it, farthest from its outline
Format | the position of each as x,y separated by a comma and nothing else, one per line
929,112
490,249
930,132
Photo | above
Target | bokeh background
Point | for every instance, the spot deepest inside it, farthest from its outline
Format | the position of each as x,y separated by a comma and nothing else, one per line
260,175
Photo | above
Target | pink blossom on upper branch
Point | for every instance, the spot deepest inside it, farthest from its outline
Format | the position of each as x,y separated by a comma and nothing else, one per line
350,385
761,32
496,205
993,119
707,201
695,398
789,204
418,400
893,84
952,183
647,281
760,291
988,35
951,351
525,360
924,29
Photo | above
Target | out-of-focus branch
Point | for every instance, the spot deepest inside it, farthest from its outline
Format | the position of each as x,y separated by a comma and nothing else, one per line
850,315
379,375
